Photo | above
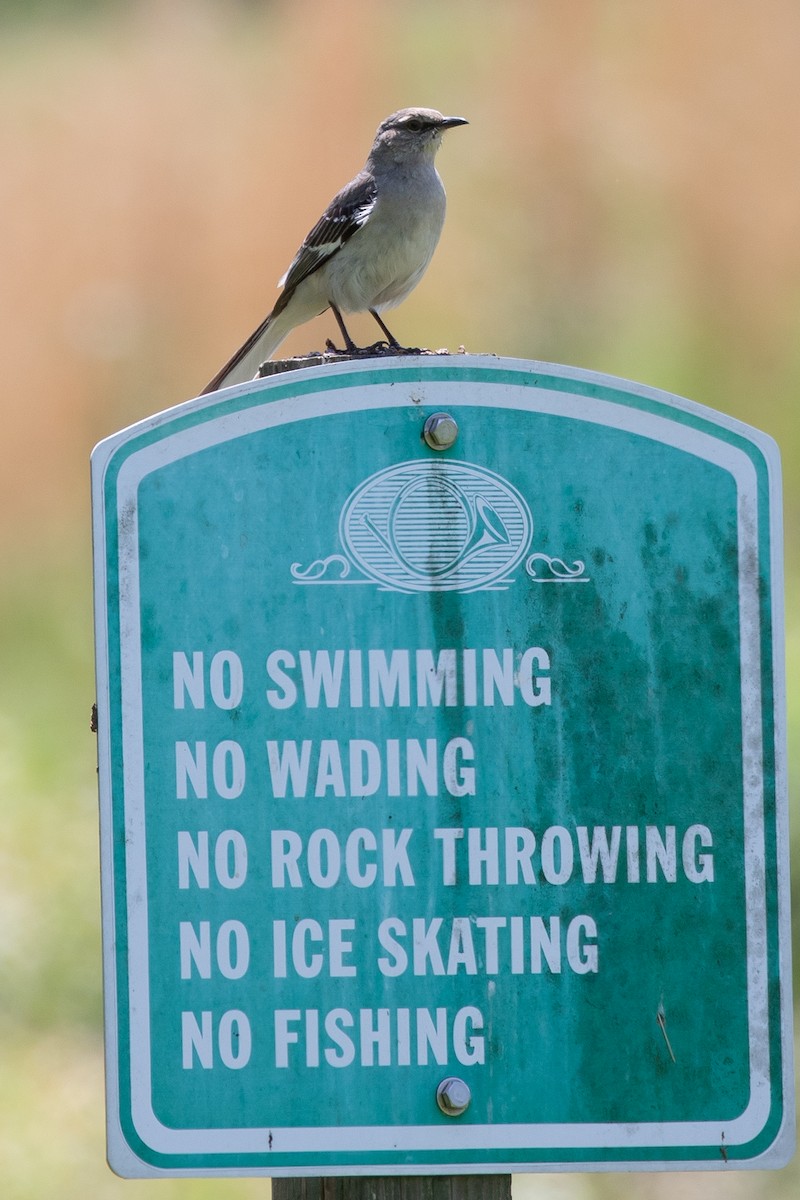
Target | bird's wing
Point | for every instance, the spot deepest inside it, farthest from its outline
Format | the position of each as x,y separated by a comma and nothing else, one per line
345,214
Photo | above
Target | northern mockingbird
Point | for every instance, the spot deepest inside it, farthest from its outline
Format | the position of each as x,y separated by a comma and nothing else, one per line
369,248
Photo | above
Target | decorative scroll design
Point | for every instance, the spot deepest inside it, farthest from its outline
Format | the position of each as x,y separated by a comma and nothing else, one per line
544,569
318,570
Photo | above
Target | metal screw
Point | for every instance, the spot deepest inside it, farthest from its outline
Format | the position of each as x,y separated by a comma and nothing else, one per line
453,1096
440,431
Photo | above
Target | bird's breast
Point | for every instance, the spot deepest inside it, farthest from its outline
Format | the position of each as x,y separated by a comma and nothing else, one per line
387,257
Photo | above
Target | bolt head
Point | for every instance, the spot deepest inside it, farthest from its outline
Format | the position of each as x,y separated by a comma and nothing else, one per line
440,431
453,1096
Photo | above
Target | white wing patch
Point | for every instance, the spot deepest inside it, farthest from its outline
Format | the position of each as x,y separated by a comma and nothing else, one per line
346,213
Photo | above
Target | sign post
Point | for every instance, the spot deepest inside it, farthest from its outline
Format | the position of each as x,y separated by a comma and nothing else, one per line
442,778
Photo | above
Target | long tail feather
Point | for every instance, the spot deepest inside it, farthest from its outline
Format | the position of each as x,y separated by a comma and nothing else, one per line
243,365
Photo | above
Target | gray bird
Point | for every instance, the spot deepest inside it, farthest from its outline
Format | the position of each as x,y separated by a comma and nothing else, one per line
370,247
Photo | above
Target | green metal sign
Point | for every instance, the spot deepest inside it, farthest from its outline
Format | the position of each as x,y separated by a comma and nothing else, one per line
442,777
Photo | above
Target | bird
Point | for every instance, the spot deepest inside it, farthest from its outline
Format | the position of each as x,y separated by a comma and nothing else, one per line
370,247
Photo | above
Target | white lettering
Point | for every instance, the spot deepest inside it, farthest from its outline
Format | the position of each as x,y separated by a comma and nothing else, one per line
553,871
459,780
498,677
398,962
322,675
285,695
581,951
698,868
535,689
379,1037
234,1040
323,858
487,855
660,853
389,679
599,851
188,680
226,679
520,843
434,681
230,859
469,1047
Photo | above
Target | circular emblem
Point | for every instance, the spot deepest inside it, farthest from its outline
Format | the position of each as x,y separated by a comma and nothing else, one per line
428,525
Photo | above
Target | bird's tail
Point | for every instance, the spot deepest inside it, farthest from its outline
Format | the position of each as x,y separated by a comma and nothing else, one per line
261,345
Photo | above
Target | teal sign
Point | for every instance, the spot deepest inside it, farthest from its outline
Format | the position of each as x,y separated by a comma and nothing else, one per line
442,790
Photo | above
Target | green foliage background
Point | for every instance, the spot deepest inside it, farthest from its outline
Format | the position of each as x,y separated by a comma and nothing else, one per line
625,199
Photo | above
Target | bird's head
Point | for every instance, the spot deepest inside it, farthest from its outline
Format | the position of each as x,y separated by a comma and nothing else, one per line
413,131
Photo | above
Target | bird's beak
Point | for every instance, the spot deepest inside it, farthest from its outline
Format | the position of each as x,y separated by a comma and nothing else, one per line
451,122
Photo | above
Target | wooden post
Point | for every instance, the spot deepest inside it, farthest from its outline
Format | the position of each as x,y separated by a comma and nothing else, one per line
395,1187
279,366
380,1187
321,358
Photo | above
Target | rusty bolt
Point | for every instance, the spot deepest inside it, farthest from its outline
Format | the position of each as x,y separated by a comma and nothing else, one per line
440,431
453,1096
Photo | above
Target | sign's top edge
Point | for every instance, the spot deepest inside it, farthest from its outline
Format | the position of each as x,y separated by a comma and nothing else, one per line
426,366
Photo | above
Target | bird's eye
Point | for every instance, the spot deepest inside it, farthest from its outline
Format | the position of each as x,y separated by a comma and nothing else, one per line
414,125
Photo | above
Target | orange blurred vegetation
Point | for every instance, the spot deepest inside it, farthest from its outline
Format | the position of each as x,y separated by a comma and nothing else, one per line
625,198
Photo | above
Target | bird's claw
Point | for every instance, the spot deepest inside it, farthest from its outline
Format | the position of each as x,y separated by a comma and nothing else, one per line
378,348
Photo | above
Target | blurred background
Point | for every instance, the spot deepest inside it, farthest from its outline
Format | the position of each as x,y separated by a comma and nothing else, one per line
626,198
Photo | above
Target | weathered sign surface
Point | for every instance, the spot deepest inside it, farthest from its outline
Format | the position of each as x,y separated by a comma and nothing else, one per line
442,789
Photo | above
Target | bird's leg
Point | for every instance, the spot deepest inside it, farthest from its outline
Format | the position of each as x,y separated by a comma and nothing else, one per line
348,341
393,342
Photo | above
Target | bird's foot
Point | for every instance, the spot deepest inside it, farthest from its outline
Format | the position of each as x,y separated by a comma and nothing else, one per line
375,350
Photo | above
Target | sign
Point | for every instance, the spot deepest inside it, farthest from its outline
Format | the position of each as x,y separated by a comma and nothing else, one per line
442,781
